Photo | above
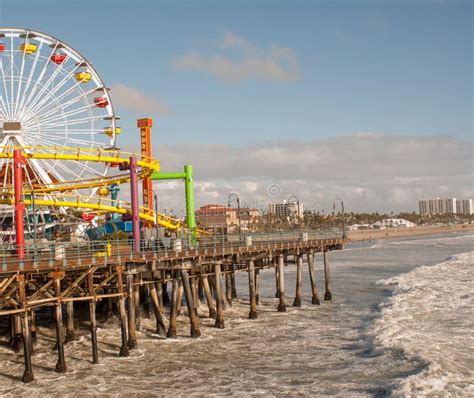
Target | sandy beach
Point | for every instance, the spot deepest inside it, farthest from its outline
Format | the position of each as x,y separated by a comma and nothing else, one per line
370,234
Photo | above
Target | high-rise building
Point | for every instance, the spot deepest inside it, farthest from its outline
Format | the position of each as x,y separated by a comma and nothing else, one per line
464,207
292,212
446,206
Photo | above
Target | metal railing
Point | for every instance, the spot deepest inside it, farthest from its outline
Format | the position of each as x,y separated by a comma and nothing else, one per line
63,254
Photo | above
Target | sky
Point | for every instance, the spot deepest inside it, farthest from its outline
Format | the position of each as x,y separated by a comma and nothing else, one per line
370,101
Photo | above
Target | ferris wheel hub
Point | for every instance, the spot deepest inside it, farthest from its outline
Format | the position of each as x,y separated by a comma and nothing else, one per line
11,127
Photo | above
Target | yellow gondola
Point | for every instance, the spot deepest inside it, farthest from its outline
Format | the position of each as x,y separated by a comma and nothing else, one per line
108,131
28,48
83,77
104,191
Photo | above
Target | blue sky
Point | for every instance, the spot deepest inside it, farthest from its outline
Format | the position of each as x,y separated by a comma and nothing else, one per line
242,74
390,67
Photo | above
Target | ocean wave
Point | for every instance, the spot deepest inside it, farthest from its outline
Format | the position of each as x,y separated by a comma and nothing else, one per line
430,320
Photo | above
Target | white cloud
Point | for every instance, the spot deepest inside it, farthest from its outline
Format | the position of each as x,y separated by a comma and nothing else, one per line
133,99
237,59
370,172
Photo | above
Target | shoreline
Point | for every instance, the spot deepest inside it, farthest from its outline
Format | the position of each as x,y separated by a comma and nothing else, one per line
374,234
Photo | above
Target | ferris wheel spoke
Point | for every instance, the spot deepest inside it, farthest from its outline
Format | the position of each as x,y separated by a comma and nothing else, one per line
65,104
64,141
33,101
30,76
73,122
5,87
65,115
48,107
41,96
20,78
38,81
11,75
3,109
74,131
27,114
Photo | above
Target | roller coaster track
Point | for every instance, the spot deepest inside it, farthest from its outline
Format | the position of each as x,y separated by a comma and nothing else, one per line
148,166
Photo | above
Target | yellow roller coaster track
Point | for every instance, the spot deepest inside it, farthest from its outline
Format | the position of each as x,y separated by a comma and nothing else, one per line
148,165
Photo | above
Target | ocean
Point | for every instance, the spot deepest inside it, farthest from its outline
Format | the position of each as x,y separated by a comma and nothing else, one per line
400,324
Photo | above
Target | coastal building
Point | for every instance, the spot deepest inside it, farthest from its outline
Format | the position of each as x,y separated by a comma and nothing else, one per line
464,207
219,217
439,206
291,211
393,223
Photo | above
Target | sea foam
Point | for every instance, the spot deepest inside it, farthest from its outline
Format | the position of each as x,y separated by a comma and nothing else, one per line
430,319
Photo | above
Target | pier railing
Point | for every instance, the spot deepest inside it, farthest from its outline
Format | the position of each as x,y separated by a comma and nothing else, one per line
56,254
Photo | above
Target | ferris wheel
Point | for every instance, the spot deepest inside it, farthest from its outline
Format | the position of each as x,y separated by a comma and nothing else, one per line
51,98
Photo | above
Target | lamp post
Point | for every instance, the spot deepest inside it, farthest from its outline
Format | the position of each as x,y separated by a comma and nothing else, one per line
343,221
234,196
298,208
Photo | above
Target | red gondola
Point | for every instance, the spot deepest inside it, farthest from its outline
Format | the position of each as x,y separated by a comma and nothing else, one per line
2,47
58,58
87,217
101,102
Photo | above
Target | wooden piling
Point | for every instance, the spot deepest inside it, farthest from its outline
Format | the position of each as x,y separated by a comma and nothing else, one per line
173,309
312,279
132,325
16,333
257,286
327,281
122,313
277,281
299,268
70,335
281,284
26,333
179,300
93,319
209,298
136,295
202,296
159,316
232,280
194,282
145,300
33,325
61,363
252,294
194,320
159,292
219,300
228,288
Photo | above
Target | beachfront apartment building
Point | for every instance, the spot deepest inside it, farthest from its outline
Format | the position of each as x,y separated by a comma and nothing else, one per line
291,211
226,219
464,207
446,206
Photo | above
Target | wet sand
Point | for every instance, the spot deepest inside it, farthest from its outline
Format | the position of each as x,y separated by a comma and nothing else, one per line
371,234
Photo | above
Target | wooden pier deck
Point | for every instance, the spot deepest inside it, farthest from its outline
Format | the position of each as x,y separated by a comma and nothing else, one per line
71,277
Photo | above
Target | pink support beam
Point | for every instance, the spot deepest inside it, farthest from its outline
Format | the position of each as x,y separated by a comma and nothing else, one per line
135,205
18,162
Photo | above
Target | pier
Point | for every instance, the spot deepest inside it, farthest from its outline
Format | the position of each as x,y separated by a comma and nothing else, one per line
69,277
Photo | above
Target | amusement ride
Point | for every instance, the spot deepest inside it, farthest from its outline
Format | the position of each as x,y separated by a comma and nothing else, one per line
59,160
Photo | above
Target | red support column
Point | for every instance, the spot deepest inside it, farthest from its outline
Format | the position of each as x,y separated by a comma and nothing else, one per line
145,126
135,208
18,162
